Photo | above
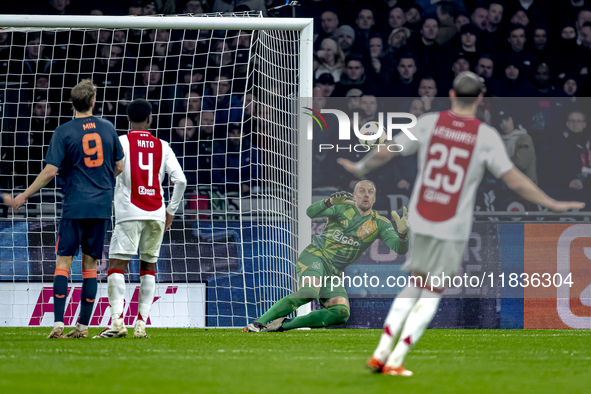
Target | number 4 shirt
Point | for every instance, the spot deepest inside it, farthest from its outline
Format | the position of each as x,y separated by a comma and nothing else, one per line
453,153
85,151
138,193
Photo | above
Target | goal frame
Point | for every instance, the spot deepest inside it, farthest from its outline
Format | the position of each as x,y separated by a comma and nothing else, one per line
303,25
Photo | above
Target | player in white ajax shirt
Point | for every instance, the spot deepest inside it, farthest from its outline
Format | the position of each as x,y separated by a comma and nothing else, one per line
141,217
453,148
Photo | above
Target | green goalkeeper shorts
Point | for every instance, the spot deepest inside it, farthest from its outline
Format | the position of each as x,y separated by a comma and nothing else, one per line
312,264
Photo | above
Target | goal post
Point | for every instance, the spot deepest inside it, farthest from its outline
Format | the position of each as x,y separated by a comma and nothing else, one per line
232,249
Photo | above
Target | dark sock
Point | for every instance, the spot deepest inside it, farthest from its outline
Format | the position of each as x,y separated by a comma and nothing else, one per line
288,304
60,293
336,314
89,285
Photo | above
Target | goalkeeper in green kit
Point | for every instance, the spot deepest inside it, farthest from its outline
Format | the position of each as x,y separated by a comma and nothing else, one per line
351,228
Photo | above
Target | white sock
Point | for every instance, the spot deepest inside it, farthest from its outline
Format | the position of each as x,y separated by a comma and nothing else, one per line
395,319
116,290
81,327
416,323
58,324
147,290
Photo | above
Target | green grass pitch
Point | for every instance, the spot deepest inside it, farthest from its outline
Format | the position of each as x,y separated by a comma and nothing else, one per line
179,361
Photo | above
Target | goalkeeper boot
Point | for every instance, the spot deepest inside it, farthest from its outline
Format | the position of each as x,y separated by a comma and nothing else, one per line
275,325
78,332
56,332
254,327
396,371
140,330
374,365
112,332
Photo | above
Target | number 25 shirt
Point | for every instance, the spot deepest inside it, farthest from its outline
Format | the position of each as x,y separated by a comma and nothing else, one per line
453,153
85,151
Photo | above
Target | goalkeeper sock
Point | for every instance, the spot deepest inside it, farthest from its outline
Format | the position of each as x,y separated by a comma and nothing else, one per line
335,314
147,290
416,323
396,316
116,290
60,292
289,304
88,295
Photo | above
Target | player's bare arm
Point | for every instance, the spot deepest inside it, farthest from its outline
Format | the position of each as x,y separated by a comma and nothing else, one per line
522,185
48,173
374,159
118,167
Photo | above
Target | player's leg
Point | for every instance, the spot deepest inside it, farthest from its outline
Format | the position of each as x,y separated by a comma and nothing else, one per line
146,297
68,241
415,325
123,246
336,311
436,258
92,242
396,317
60,293
310,270
149,245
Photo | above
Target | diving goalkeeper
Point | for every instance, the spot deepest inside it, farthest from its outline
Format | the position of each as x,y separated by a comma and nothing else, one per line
351,228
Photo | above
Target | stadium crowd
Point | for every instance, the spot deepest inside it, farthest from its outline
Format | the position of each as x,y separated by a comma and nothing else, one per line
366,52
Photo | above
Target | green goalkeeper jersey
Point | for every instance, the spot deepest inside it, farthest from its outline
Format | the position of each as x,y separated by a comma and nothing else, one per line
348,234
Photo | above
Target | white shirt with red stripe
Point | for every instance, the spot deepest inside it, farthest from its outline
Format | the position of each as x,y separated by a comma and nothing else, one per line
453,153
138,191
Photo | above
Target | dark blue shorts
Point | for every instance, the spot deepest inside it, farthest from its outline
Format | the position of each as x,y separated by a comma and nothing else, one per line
88,233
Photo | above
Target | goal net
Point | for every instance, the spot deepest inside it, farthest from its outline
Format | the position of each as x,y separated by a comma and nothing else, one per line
225,91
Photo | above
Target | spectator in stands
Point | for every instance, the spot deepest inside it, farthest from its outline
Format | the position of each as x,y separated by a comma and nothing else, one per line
220,55
368,109
405,84
149,86
428,51
346,39
542,81
396,18
513,82
135,8
191,105
460,20
396,41
149,7
572,149
413,16
583,16
446,14
326,84
331,59
570,86
381,63
185,146
430,6
469,43
480,17
329,24
485,68
496,8
417,107
205,146
236,162
218,96
519,144
520,17
364,23
355,77
427,93
55,7
518,50
35,61
191,7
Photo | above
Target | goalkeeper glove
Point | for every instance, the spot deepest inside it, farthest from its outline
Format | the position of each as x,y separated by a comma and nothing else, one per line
401,222
339,198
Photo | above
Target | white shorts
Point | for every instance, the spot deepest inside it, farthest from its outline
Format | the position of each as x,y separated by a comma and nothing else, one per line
129,236
434,256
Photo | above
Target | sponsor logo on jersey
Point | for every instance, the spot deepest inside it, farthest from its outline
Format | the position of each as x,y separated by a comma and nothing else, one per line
342,238
345,223
143,191
316,265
